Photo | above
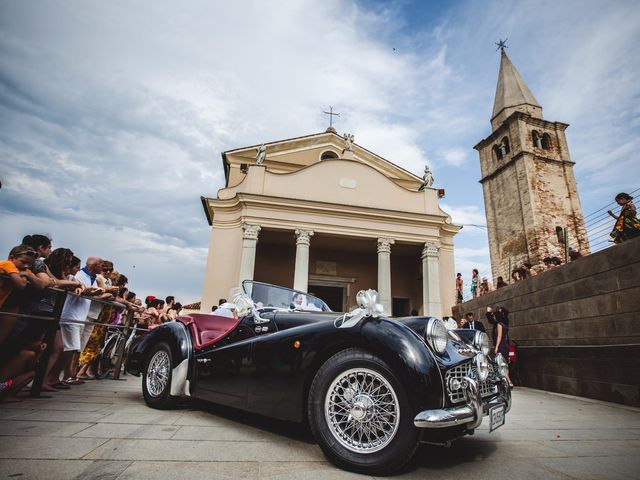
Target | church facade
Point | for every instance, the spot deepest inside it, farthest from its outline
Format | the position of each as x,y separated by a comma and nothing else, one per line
324,215
530,193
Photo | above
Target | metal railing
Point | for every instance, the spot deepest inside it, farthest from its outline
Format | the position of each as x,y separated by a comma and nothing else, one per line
52,326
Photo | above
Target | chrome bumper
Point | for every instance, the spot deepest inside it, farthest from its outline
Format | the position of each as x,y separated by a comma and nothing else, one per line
470,414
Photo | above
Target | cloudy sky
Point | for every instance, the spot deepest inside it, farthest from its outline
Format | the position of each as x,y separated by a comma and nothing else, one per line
114,114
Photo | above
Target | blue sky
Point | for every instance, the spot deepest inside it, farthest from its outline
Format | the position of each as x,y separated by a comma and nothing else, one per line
114,114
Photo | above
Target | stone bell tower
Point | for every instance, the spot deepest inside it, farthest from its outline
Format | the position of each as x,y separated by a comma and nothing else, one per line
530,193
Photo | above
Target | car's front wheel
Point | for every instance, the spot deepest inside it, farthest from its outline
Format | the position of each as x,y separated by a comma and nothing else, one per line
156,378
359,414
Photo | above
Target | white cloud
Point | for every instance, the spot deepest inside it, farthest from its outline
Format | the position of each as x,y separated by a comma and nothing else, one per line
454,156
465,215
115,113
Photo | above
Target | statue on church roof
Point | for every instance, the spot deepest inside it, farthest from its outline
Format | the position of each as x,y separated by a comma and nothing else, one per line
348,142
261,154
427,178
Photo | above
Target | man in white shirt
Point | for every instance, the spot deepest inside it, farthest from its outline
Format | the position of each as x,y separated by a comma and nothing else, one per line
75,310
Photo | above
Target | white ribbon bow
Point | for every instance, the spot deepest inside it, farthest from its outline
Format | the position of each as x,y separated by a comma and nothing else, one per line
368,307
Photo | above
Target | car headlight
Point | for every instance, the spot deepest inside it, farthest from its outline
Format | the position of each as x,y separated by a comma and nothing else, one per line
503,367
481,342
482,365
436,335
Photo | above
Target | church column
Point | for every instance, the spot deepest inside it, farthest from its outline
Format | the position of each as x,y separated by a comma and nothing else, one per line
248,256
384,273
301,275
431,280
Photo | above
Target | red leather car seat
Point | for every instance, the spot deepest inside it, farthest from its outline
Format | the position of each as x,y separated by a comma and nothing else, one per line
208,329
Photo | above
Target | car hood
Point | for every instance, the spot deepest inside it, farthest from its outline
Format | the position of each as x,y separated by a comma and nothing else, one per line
286,320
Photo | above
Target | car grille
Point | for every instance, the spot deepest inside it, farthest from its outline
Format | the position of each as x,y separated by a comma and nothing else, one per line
487,388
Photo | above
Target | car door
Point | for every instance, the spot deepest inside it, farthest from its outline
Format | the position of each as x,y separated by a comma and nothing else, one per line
222,371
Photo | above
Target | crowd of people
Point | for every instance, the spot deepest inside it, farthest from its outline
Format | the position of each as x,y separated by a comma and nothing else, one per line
33,279
479,286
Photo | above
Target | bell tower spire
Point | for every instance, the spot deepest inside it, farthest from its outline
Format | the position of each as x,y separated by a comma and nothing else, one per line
530,191
512,94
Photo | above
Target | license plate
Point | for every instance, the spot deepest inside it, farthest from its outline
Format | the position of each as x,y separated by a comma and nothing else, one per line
496,417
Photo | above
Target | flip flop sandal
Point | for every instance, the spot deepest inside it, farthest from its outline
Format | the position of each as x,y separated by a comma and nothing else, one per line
73,381
60,386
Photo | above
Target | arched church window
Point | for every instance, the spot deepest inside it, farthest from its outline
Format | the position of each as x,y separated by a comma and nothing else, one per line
537,141
497,151
505,146
546,141
328,155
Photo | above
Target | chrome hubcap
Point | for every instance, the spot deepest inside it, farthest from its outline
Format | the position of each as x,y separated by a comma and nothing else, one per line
362,410
158,373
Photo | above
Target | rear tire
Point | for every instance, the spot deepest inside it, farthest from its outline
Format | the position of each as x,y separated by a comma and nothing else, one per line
156,378
360,416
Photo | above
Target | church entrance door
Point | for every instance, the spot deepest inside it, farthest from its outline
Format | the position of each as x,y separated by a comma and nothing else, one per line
400,307
333,296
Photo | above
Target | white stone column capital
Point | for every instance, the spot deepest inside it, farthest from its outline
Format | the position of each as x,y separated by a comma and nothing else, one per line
384,245
303,237
250,232
430,249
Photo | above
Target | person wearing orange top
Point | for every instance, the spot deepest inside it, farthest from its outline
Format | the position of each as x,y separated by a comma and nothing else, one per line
16,268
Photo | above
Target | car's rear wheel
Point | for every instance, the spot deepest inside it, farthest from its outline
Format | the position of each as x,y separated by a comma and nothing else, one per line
156,378
359,414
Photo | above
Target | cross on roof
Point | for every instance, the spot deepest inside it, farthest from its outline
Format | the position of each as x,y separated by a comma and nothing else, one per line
502,44
331,115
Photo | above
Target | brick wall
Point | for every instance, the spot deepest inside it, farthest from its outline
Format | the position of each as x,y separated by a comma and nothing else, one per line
578,325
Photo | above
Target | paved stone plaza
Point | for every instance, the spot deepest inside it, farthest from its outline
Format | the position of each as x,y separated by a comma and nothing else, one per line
104,430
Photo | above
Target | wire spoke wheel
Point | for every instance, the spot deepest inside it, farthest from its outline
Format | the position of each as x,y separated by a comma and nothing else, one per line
362,410
158,373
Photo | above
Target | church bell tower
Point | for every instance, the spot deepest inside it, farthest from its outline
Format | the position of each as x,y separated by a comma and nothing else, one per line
530,193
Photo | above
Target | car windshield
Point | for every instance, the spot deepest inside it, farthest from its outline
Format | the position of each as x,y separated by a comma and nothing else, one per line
266,295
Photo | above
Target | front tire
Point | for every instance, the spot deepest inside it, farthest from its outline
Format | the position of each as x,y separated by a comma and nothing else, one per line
360,416
156,378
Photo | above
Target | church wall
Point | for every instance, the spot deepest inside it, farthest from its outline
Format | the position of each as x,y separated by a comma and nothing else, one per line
511,225
275,264
343,181
223,264
553,208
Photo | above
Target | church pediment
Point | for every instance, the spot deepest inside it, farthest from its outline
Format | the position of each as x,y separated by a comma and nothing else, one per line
347,182
292,155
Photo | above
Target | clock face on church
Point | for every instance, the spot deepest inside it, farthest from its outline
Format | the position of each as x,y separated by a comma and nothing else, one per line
370,387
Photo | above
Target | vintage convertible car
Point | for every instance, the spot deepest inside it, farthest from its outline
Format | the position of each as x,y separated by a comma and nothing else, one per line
370,387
